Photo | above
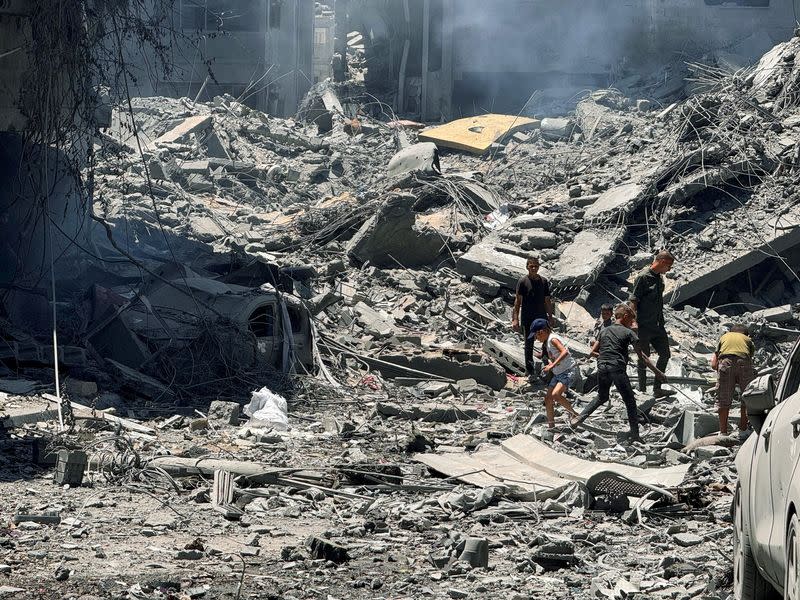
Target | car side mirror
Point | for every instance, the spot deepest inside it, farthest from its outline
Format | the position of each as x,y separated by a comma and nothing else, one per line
759,399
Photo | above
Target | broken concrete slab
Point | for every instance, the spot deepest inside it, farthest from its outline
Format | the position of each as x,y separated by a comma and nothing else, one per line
188,126
779,314
419,159
557,128
531,239
430,413
325,549
534,221
511,356
616,203
374,323
205,229
392,237
586,257
693,425
486,286
486,373
490,258
766,238
477,134
139,383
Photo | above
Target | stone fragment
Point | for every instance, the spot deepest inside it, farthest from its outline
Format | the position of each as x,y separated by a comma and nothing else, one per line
327,550
706,452
184,128
393,238
189,555
198,424
224,412
779,314
476,552
486,286
687,539
420,158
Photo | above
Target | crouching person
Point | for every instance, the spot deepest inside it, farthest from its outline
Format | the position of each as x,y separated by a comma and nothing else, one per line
562,367
611,350
733,362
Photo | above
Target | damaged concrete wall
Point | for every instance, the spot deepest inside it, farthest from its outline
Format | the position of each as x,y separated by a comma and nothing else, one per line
260,51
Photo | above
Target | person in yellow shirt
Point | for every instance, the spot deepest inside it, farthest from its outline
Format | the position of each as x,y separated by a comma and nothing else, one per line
733,362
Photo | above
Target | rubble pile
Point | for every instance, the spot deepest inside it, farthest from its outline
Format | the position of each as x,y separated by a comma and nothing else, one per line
365,277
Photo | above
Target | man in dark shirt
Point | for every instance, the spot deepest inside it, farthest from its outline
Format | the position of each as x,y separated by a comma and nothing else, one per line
533,302
612,361
647,299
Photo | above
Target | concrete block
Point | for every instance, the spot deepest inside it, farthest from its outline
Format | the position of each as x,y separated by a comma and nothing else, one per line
476,552
532,239
84,389
184,128
557,128
486,286
374,322
692,425
205,229
326,549
707,452
393,235
779,314
534,221
616,202
224,412
495,260
487,373
511,356
419,158
686,540
585,258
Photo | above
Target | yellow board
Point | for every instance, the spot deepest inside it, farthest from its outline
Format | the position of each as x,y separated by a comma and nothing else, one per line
477,134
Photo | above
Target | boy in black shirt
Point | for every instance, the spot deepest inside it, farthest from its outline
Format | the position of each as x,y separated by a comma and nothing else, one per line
611,349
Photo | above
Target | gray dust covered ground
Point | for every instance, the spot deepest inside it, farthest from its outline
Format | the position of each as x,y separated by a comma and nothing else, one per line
420,449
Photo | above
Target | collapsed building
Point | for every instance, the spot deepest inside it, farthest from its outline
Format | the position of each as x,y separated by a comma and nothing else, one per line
351,273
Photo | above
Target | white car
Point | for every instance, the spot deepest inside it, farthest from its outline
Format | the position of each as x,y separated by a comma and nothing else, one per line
767,498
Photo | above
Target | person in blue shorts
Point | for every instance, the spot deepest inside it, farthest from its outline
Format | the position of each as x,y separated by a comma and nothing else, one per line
562,367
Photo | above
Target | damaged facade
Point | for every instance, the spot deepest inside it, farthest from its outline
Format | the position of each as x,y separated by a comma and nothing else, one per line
259,51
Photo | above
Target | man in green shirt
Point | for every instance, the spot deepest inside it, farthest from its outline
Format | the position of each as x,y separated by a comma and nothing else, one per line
647,299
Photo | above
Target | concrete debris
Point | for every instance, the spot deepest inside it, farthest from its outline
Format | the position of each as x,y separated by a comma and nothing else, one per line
359,274
419,159
392,237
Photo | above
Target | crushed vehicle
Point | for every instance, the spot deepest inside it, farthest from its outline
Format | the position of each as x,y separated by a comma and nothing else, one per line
183,326
767,497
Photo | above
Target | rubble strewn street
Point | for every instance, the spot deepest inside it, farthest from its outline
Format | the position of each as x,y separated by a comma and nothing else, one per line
292,373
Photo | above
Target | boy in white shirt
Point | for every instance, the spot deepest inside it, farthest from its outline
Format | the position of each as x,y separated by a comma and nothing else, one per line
562,367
